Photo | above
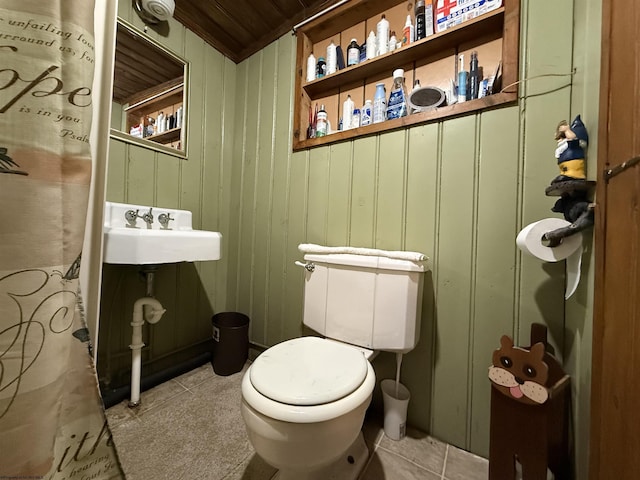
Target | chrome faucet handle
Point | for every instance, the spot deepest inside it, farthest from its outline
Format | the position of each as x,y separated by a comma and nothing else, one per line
148,217
131,216
164,219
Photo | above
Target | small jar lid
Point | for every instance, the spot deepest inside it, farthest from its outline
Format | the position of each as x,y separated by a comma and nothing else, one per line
399,72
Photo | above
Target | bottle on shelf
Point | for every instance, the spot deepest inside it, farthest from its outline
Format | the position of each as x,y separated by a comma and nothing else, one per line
321,69
366,113
421,28
311,131
332,58
382,35
428,17
340,57
311,68
321,122
353,53
355,120
397,105
392,41
474,76
407,32
379,104
463,77
347,113
160,123
371,45
179,117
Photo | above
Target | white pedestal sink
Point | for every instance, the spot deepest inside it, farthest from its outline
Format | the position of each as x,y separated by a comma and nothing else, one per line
144,235
142,243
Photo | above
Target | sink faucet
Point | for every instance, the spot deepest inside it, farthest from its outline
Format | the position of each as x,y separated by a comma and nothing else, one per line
132,215
148,217
164,219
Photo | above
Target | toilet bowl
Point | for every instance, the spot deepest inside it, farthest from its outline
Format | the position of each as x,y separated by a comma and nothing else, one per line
304,400
303,404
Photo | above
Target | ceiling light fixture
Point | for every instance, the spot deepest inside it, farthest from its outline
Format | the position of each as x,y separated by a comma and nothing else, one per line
154,11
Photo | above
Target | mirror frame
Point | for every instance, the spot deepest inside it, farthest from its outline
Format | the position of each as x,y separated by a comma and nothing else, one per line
143,142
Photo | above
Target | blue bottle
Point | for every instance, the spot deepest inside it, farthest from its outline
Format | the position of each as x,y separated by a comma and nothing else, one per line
397,106
379,104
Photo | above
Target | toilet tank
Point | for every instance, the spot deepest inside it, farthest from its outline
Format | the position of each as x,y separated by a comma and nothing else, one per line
370,301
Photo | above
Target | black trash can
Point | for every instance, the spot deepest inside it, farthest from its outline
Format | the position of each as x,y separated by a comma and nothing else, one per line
230,342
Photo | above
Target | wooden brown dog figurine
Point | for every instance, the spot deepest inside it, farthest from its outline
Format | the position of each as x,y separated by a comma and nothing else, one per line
529,411
520,374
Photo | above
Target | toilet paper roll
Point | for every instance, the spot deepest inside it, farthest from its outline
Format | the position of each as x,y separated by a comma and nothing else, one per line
161,9
529,240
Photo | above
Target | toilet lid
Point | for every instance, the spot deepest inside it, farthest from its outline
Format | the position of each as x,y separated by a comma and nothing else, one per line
308,371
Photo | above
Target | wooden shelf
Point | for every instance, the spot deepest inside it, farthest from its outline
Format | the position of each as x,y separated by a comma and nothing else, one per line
456,109
426,47
166,101
498,30
166,137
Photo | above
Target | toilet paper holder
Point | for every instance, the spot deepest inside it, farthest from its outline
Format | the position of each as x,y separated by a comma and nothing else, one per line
584,221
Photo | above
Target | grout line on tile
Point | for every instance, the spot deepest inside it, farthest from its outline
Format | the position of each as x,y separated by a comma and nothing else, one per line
444,464
379,438
142,413
422,467
239,464
195,385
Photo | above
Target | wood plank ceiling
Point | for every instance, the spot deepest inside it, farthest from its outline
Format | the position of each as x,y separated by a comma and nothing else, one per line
239,28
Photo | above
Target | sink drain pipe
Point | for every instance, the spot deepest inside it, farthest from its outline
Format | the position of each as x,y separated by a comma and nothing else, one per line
152,314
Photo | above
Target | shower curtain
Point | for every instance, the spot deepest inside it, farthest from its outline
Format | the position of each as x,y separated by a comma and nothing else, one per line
52,422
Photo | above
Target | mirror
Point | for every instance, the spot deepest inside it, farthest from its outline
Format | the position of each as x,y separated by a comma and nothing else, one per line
149,93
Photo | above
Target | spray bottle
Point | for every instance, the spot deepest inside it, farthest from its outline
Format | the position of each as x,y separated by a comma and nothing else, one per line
407,32
397,105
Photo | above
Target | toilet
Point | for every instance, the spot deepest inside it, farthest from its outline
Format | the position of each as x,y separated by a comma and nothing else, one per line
304,400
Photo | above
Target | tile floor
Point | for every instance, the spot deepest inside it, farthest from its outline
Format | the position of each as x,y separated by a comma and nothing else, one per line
190,428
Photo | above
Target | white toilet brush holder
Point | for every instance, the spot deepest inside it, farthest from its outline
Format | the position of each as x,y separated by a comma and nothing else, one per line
395,397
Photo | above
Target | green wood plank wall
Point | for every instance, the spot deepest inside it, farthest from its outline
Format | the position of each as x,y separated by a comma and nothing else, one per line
458,190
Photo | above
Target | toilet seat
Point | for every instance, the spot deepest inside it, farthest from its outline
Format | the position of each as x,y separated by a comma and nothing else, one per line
308,371
308,380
